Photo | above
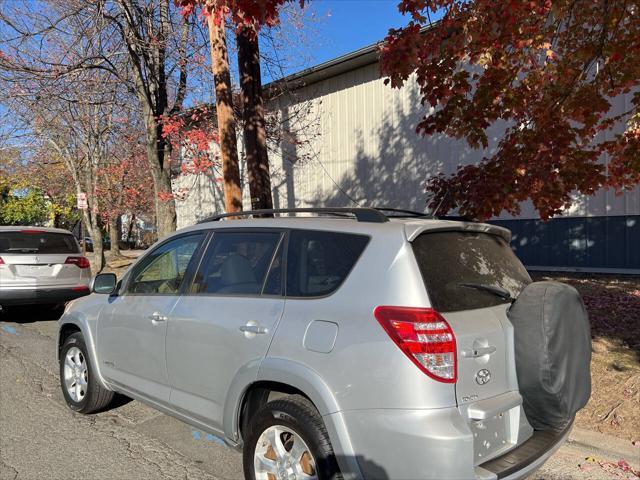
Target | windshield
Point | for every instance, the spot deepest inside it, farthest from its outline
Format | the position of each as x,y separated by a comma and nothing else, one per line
452,261
33,241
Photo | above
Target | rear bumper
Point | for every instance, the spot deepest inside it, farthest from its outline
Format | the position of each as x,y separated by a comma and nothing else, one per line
522,461
34,296
426,444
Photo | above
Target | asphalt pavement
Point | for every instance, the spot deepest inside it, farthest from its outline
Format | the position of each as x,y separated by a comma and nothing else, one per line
40,438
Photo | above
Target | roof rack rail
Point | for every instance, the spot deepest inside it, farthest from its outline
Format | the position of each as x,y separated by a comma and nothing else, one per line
370,215
404,213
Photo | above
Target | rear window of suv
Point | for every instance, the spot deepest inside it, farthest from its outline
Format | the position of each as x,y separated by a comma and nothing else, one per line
32,241
448,260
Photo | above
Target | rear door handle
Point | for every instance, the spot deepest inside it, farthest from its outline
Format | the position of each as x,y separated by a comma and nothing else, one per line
478,352
256,329
157,317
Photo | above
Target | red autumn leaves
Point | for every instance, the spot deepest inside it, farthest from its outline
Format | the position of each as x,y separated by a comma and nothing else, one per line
547,72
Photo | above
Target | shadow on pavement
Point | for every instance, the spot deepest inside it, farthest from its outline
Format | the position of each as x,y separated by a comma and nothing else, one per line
31,313
118,401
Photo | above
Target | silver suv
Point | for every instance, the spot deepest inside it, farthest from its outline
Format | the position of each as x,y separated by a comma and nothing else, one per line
41,265
321,346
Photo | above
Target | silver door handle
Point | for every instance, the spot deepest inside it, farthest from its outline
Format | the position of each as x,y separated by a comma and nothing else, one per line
478,352
254,329
156,317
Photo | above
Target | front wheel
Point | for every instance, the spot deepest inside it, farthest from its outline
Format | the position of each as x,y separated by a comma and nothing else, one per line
82,391
287,440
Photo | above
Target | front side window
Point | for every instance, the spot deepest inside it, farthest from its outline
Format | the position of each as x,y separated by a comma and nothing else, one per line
163,270
318,262
237,263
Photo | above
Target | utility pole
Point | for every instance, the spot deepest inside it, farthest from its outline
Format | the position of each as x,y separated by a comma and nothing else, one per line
255,137
224,112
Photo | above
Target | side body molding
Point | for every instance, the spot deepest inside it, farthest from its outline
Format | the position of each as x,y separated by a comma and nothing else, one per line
278,370
301,377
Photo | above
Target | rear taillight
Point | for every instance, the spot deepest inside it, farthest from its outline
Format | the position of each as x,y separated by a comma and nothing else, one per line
424,336
82,262
1,261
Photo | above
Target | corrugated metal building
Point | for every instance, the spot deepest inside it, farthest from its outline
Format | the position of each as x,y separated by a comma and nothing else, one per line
359,146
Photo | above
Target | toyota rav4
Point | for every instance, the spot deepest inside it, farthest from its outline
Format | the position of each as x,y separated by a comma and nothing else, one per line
349,343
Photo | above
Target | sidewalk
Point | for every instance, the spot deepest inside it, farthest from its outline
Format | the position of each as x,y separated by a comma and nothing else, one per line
118,265
606,446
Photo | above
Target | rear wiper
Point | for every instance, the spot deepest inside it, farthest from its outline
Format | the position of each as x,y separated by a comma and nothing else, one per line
494,289
23,250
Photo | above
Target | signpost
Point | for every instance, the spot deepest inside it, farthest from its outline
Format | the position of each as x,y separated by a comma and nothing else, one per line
82,201
82,205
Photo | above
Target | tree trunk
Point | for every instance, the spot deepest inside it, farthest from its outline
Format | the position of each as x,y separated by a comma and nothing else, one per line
57,220
226,119
130,230
114,236
159,164
92,228
255,138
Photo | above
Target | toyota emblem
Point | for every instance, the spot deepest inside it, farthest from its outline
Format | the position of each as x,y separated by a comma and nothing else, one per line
483,376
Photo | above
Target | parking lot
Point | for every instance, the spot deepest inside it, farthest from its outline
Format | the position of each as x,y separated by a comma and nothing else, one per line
40,438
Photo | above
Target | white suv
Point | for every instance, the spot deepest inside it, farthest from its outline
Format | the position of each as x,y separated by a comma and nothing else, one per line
41,266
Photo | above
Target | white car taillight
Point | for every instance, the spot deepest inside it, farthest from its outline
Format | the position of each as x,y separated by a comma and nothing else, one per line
424,336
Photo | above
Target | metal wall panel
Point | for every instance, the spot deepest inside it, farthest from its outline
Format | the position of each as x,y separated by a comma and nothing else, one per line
364,150
609,243
196,197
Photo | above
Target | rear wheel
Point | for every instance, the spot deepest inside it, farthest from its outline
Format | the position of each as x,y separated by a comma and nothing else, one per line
80,388
287,440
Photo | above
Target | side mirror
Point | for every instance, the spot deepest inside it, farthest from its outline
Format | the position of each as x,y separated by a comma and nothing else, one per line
104,283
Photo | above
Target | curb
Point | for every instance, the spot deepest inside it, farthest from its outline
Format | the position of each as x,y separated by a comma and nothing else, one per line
605,445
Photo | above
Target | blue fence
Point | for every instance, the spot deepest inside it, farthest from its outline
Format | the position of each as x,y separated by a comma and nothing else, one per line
583,243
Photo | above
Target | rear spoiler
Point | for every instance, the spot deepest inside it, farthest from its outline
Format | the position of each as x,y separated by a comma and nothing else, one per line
413,229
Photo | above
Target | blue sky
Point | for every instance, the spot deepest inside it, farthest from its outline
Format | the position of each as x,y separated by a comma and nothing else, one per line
347,25
341,26
331,28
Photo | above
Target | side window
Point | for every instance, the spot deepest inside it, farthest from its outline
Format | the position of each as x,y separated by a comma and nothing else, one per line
163,270
236,263
318,262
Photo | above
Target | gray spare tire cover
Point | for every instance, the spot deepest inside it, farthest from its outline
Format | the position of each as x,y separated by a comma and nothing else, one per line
553,353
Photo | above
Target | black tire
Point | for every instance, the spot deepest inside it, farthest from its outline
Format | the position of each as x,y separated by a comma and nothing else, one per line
96,398
298,414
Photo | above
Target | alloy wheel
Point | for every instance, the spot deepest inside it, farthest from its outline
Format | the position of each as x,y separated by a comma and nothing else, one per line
76,374
281,454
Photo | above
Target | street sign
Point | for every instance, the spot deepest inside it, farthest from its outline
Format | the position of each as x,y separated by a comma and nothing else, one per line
82,201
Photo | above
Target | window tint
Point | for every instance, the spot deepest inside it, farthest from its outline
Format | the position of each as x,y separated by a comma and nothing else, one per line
449,259
236,263
318,262
163,271
31,241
